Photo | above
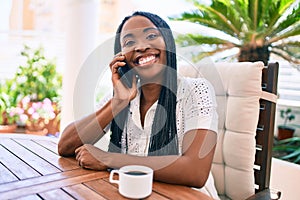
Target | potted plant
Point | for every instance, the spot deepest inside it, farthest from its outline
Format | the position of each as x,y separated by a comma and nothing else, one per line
38,81
38,115
286,131
9,112
38,77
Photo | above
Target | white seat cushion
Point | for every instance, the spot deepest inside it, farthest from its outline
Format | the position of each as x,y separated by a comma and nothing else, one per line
238,90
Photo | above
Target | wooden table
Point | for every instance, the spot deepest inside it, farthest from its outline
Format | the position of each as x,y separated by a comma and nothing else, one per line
30,168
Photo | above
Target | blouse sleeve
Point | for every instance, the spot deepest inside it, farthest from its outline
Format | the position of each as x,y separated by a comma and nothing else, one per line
200,109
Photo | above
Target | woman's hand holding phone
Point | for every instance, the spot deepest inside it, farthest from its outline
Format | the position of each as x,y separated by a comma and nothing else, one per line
121,78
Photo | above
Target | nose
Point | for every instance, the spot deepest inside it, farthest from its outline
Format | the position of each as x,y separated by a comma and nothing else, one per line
141,46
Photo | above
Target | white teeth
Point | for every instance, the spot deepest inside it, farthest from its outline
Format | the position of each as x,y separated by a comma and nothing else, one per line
144,60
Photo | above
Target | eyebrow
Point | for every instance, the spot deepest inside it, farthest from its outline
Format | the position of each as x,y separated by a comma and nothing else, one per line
145,30
149,29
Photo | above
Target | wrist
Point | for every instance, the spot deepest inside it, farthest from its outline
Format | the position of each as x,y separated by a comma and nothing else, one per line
118,104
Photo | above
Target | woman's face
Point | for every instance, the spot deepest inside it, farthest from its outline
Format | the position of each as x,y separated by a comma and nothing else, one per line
144,48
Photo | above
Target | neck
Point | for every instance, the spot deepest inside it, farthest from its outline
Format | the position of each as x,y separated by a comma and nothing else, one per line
150,93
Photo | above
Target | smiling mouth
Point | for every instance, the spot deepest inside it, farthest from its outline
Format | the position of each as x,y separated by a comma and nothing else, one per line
146,60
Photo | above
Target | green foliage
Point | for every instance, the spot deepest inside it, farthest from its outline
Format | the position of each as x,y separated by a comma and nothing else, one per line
8,103
288,149
38,78
287,116
253,24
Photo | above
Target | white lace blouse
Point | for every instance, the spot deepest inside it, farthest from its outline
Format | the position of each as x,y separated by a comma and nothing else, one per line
195,109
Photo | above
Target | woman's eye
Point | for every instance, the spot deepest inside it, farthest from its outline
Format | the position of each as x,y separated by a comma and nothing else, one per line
152,36
128,43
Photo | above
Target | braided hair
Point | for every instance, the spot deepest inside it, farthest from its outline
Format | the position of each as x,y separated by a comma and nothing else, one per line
163,139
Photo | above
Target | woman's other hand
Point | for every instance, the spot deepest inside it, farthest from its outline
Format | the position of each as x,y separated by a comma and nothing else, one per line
88,155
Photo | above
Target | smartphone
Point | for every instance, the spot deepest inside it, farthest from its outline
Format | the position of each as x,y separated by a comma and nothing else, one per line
126,75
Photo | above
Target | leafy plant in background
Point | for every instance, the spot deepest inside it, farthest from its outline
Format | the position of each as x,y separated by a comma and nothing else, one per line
38,78
35,93
287,116
256,28
9,112
286,130
288,149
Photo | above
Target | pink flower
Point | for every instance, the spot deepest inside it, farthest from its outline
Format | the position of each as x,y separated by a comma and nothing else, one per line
35,116
47,101
12,112
26,100
37,105
19,110
23,118
31,110
52,115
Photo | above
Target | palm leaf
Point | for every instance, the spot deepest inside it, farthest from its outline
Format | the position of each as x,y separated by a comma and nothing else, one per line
292,49
204,54
285,56
241,6
264,17
289,140
297,159
277,9
289,22
287,148
201,17
210,16
294,31
291,155
253,10
228,12
196,39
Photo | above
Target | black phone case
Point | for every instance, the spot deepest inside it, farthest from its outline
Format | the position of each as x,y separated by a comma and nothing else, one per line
126,75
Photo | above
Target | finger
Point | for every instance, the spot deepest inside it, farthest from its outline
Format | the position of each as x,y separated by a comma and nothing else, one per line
77,150
78,153
114,67
117,58
118,54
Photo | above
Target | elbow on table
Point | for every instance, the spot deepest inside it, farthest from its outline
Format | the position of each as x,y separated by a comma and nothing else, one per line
63,149
65,146
198,179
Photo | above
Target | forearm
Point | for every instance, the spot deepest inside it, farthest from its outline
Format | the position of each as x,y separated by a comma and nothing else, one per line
191,168
87,130
180,170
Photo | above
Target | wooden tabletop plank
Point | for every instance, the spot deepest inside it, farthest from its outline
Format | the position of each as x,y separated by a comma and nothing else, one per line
5,175
80,191
44,179
48,144
56,194
178,192
46,185
20,169
48,155
105,188
36,162
29,197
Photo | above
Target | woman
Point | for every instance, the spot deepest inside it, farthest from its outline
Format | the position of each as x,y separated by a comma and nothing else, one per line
163,121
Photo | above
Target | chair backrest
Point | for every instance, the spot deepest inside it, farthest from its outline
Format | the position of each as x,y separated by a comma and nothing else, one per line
243,114
265,129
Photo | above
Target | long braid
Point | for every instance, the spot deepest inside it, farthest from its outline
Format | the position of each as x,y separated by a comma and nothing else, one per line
164,139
